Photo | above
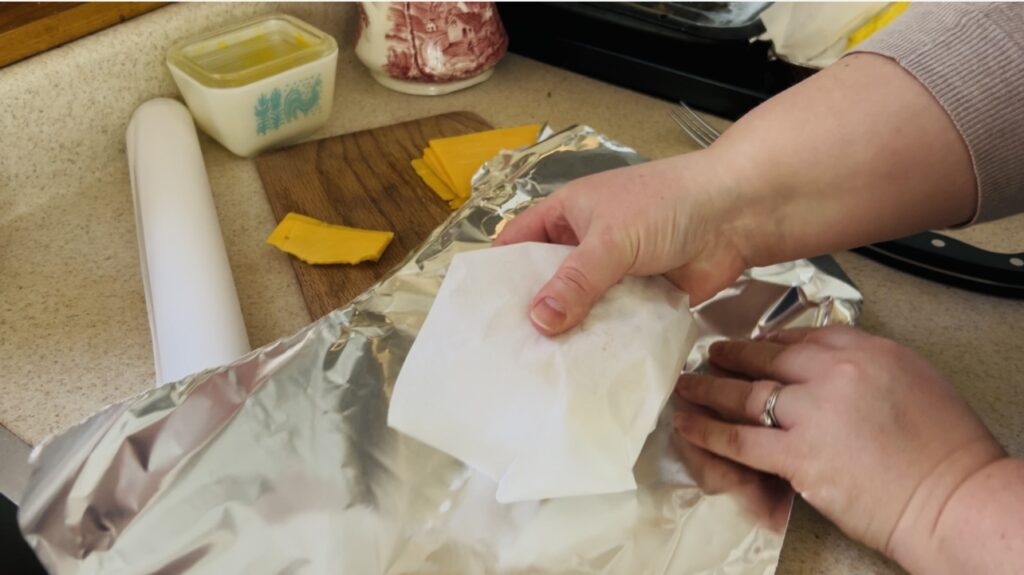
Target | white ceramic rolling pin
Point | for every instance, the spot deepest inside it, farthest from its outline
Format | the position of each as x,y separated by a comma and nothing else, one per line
194,315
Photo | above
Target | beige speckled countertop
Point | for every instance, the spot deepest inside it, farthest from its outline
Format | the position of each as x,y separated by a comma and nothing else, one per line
73,330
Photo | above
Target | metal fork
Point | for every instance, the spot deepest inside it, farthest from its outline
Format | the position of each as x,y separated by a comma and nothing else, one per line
699,131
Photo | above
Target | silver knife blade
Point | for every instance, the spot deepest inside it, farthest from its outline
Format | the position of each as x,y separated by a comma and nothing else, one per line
14,467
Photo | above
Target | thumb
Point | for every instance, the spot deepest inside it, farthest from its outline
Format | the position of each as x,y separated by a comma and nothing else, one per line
586,274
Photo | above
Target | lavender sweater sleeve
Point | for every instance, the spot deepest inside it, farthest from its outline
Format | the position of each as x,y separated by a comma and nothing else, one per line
971,58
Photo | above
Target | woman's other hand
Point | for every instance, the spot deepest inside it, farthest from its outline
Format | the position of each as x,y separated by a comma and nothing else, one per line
869,434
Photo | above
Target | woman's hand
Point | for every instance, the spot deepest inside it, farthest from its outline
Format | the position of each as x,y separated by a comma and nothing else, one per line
673,216
869,434
765,498
816,169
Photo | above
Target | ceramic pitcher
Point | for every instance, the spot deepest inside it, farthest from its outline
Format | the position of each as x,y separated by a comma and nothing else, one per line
430,48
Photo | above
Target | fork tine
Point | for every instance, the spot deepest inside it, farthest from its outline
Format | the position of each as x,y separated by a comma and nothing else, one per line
710,134
687,117
708,127
697,124
697,137
692,130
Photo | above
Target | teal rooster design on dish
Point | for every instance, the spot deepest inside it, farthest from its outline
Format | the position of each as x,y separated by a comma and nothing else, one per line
295,102
273,111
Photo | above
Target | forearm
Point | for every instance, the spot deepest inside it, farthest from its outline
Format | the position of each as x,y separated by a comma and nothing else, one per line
861,152
981,527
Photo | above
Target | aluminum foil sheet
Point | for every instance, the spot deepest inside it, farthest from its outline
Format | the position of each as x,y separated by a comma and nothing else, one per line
282,463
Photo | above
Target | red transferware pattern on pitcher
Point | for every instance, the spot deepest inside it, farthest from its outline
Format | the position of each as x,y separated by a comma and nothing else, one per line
430,42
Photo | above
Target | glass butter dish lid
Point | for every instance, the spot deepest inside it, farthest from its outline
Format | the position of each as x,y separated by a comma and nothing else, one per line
250,51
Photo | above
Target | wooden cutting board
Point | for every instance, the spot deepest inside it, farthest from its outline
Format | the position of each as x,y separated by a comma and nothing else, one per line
363,180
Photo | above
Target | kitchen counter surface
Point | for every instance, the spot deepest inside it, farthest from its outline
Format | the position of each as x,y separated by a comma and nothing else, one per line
72,311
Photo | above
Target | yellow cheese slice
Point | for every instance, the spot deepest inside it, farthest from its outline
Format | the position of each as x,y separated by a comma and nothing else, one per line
279,236
434,163
280,233
431,179
461,156
316,242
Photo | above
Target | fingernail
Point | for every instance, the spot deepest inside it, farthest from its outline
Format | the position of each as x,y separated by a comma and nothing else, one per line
549,314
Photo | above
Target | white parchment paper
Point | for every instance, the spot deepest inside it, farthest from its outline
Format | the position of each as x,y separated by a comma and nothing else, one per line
543,417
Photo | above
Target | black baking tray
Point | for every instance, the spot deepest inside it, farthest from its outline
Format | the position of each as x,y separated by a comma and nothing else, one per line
724,73
15,554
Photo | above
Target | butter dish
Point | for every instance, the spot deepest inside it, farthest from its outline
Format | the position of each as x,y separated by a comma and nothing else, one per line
259,84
